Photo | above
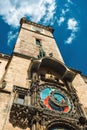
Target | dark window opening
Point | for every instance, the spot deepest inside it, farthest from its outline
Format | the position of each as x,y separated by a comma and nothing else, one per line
20,99
38,42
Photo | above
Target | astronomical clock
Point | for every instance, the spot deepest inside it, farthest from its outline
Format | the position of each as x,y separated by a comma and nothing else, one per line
54,96
53,102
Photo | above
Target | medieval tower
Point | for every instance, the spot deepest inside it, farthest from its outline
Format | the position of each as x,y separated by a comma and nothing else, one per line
37,90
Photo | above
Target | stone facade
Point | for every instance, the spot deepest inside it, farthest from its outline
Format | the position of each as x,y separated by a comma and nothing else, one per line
26,43
26,74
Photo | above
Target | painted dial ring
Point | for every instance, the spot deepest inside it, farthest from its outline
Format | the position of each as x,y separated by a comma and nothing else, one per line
55,99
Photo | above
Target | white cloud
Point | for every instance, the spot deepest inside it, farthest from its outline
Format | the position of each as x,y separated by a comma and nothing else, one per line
74,27
62,16
72,24
64,11
70,39
50,11
12,10
61,20
69,1
11,36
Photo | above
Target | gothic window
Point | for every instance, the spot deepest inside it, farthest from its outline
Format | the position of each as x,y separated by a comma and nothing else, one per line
20,99
20,95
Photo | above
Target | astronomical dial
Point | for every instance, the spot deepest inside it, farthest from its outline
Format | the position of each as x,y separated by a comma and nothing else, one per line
55,99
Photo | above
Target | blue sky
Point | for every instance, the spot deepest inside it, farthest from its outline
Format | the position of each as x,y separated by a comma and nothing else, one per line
67,17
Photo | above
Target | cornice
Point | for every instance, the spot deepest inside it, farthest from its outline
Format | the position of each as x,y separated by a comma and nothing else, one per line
24,20
4,56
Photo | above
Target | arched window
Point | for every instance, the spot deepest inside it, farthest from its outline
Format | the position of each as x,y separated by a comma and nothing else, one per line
62,125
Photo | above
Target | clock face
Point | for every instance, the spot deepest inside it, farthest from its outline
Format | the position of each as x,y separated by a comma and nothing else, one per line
55,99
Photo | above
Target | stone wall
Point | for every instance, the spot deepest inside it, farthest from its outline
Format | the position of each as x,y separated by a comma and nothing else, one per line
3,63
26,43
16,75
81,89
4,108
17,72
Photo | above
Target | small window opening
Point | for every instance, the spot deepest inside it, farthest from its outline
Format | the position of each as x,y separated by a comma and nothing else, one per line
38,42
20,99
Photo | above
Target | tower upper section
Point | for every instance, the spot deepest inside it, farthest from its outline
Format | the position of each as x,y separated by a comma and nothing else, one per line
36,41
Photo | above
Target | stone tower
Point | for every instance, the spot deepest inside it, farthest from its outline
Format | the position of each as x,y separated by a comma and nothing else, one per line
37,90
